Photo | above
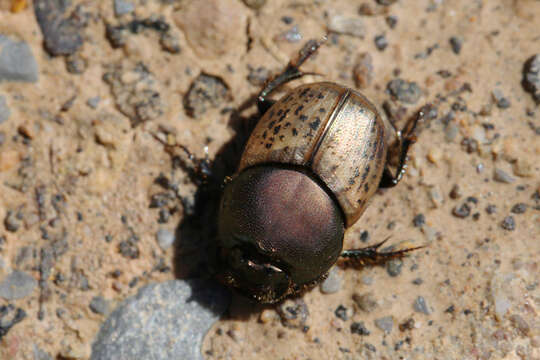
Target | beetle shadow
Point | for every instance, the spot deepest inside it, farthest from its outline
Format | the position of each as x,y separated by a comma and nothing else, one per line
194,248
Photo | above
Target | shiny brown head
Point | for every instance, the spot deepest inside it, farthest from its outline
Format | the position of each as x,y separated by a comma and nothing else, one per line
279,232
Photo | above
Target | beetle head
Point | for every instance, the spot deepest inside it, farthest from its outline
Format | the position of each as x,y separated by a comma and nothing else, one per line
279,232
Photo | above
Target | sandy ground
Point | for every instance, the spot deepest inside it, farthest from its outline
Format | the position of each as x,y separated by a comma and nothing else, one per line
79,163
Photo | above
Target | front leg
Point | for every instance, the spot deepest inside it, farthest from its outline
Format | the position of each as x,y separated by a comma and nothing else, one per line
291,72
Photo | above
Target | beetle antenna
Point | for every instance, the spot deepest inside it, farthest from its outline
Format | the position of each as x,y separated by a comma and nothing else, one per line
371,255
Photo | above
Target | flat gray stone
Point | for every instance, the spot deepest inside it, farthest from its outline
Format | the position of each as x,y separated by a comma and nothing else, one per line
17,63
165,238
4,109
163,321
17,285
122,7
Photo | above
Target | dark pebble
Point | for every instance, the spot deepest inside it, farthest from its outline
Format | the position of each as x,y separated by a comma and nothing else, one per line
365,302
462,211
129,249
386,2
254,4
519,208
61,32
418,281
380,42
341,313
170,43
456,43
491,209
99,305
12,222
404,91
450,309
531,77
508,223
359,328
75,64
419,220
9,317
455,193
391,21
393,267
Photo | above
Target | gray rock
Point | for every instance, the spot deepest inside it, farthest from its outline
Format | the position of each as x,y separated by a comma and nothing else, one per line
122,7
502,176
40,354
332,283
421,306
385,324
17,63
99,305
165,238
4,109
342,24
17,285
163,321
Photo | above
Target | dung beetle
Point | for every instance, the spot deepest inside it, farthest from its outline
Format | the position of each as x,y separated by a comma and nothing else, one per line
306,174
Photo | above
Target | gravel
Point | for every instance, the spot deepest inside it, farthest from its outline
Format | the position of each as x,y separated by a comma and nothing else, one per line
123,7
508,223
342,24
421,306
502,176
385,324
393,267
17,63
456,43
165,238
163,321
359,328
332,283
404,91
99,305
17,285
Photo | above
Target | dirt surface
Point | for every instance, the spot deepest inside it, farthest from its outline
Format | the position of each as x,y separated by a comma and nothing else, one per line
83,166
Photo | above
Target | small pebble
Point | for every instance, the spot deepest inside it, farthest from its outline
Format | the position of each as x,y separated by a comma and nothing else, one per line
520,325
501,101
99,305
508,223
519,208
385,324
294,313
17,62
380,42
12,222
93,102
341,24
407,325
363,71
391,21
393,267
404,91
456,43
491,209
342,313
17,285
419,220
165,238
123,7
462,211
418,281
455,193
365,302
502,176
332,283
523,168
359,328
421,306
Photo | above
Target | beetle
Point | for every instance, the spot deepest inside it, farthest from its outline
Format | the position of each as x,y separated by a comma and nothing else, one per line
306,174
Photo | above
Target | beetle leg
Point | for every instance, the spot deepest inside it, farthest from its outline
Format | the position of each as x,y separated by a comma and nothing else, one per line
371,255
405,138
291,72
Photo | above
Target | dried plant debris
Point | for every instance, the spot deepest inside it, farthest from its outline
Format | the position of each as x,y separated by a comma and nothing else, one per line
206,92
136,92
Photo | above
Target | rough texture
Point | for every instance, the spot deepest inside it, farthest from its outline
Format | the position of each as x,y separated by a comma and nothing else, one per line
163,321
77,181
